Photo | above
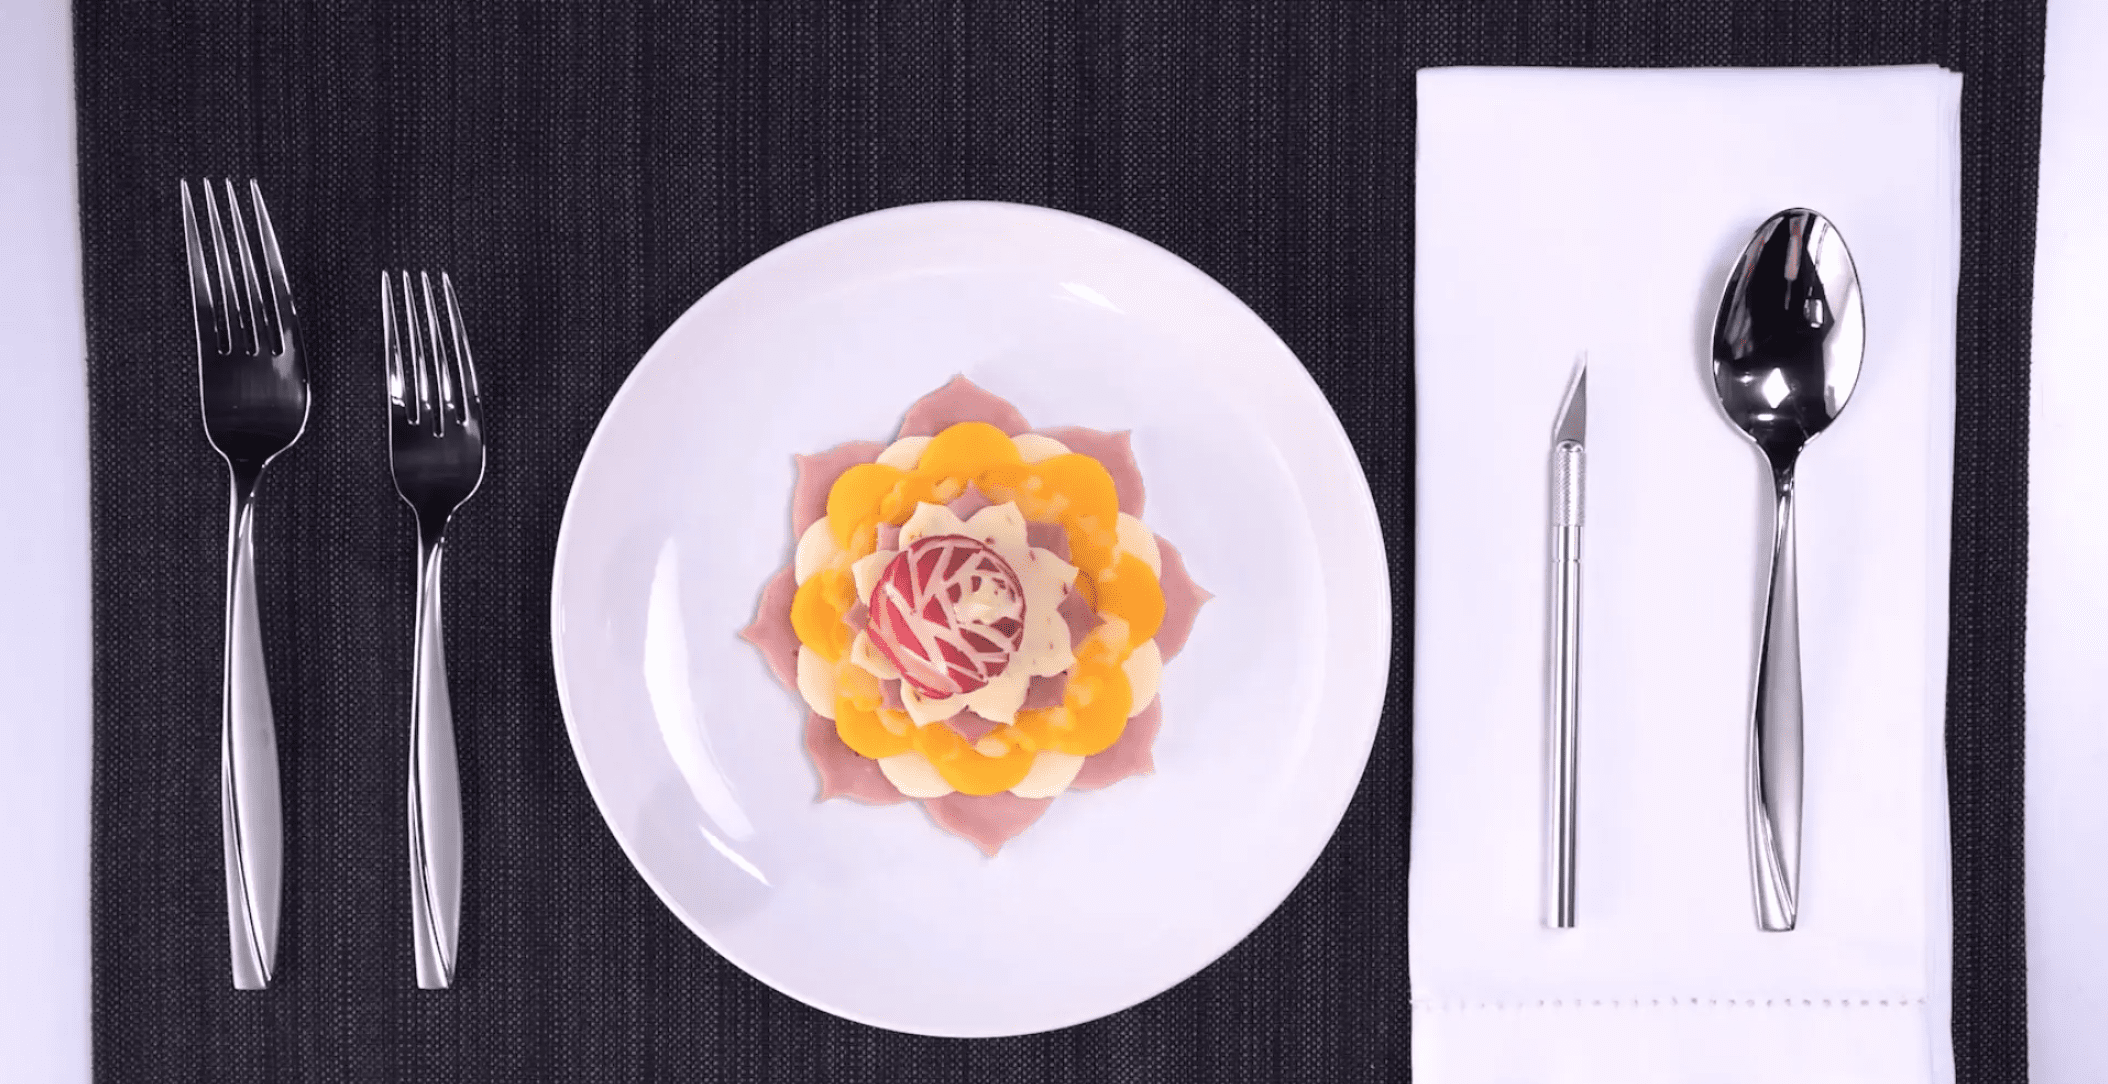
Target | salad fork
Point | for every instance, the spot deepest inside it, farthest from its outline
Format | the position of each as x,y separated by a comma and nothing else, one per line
435,445
252,391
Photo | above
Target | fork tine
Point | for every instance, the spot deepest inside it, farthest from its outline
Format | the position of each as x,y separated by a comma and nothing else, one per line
231,315
252,297
284,317
392,353
210,329
420,379
442,375
471,394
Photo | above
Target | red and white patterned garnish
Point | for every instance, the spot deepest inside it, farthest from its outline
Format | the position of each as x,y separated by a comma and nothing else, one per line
947,612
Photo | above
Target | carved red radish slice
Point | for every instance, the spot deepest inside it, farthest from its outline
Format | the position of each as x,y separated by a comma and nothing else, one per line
947,612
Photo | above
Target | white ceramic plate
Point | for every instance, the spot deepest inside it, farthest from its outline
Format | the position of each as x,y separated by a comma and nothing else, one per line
680,512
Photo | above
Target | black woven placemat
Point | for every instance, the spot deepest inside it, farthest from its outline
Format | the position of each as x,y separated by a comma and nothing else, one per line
587,171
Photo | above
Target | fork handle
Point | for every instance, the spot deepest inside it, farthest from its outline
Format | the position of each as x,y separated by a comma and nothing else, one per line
251,831
435,787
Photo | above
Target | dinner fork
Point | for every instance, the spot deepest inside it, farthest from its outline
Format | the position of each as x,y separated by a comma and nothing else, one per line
435,444
252,390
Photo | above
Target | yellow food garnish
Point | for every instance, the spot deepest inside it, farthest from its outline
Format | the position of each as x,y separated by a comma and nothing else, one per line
1072,490
968,769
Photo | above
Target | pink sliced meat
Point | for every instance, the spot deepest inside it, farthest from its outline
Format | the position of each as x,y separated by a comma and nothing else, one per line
1114,451
970,725
889,536
1132,754
771,630
843,772
962,400
889,695
1052,537
988,821
1046,692
1182,600
817,475
966,504
1078,613
857,615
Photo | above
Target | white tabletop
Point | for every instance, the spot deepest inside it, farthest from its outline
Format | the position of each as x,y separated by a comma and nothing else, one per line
44,643
2067,700
43,559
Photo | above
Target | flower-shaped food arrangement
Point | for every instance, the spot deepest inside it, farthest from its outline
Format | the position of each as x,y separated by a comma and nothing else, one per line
976,615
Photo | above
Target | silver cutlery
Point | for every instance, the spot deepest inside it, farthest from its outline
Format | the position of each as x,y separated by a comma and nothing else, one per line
252,390
435,445
1786,352
1566,513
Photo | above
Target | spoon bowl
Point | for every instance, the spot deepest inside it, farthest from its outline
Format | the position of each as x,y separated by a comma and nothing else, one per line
1787,346
1790,334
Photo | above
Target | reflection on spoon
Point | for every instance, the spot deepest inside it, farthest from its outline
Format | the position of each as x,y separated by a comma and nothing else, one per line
673,704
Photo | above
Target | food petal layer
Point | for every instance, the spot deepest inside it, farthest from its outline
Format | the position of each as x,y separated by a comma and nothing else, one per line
1133,754
844,774
987,821
961,400
817,474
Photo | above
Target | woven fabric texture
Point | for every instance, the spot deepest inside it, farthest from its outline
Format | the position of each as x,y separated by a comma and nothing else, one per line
587,171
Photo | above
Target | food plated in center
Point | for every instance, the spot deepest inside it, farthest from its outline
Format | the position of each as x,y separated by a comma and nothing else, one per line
976,616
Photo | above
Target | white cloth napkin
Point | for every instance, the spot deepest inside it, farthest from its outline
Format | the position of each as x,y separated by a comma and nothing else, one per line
1567,211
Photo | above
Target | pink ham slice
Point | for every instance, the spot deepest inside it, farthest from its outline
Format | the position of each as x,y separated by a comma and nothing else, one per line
1115,451
1078,613
889,536
962,400
988,821
1132,754
817,475
843,773
970,725
1052,537
965,504
1046,692
1182,600
771,630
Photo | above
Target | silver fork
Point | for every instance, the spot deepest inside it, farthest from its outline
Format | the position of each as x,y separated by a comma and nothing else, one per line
435,443
252,390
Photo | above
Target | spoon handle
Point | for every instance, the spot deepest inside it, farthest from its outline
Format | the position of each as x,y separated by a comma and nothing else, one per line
1775,736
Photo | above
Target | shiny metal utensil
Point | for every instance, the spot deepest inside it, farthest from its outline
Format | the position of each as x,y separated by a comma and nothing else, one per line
252,389
1566,513
435,444
1786,352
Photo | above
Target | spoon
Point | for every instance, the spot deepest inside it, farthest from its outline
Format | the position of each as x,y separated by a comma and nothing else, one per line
1786,352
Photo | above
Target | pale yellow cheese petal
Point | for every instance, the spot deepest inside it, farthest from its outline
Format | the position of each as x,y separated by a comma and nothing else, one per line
905,453
1002,526
999,700
816,682
816,550
1145,671
866,571
1051,774
913,775
866,654
926,711
1035,447
1131,535
929,519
